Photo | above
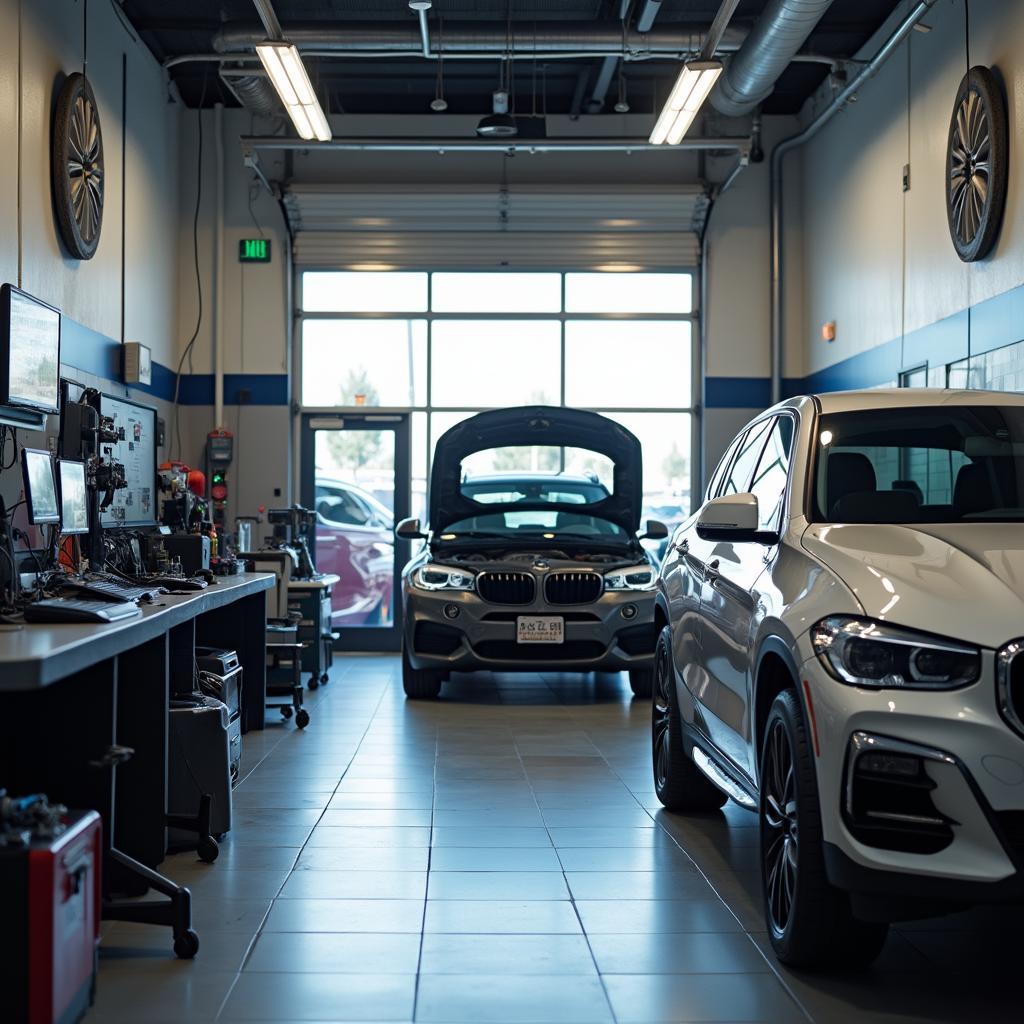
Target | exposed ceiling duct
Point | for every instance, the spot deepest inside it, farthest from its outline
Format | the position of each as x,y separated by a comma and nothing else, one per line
389,37
773,42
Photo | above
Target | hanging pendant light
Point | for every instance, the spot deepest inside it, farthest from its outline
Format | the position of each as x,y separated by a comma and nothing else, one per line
439,104
500,124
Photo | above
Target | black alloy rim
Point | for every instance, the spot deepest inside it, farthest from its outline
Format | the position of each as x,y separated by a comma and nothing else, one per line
660,715
780,844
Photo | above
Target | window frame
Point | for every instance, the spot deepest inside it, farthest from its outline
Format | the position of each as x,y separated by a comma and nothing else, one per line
782,512
692,409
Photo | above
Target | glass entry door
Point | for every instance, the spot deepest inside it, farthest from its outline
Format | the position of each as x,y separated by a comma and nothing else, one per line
355,474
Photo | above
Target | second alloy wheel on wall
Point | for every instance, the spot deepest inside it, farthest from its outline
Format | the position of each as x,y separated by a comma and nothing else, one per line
976,164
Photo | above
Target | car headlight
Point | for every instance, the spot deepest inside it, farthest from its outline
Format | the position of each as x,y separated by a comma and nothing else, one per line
861,652
633,578
441,577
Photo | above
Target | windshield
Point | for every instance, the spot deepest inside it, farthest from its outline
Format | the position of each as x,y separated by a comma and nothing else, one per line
921,465
532,522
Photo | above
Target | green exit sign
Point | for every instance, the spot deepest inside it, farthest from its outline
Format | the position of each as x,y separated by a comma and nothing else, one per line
254,250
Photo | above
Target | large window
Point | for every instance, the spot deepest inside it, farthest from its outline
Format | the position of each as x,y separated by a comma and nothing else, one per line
445,345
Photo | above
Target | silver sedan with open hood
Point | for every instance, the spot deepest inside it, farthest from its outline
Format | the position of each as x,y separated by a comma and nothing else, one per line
527,570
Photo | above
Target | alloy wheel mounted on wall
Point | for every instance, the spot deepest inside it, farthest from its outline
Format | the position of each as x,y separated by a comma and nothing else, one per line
976,164
76,160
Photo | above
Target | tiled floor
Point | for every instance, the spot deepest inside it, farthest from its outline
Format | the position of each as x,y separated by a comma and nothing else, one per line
500,856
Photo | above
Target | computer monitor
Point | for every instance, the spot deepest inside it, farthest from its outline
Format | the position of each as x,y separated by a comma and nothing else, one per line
29,352
40,490
74,502
134,505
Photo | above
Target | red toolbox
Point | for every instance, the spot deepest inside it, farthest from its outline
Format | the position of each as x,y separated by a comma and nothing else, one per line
50,919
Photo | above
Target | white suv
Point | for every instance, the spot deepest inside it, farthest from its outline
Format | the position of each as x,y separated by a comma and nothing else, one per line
840,624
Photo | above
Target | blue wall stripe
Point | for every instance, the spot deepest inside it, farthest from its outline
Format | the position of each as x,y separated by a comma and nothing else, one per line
88,350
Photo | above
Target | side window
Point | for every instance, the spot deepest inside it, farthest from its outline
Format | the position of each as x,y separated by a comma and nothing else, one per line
738,480
722,469
769,481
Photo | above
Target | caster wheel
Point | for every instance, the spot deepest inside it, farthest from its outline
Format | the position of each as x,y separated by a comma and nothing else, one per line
286,713
186,945
302,718
207,849
313,683
325,679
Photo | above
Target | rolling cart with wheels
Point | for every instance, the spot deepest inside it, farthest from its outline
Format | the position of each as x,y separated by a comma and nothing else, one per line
284,672
311,601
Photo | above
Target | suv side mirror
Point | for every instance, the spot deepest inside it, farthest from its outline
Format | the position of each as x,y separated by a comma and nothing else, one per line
733,517
409,529
655,530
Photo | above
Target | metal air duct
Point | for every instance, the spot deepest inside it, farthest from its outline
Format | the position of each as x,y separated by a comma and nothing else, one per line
774,40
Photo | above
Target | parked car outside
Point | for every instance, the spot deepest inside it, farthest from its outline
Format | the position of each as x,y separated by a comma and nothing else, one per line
527,571
355,541
840,650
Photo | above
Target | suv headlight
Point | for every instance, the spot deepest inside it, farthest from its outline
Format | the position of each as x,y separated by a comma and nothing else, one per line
862,652
441,577
632,578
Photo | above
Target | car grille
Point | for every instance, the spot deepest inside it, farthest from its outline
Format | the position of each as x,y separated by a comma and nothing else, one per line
509,650
506,587
572,587
1010,684
434,638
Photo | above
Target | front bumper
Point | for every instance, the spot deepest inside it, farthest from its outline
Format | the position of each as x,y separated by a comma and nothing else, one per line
614,633
968,846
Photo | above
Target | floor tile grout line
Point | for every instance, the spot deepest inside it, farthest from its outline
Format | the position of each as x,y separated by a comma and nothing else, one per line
259,929
430,854
565,880
773,967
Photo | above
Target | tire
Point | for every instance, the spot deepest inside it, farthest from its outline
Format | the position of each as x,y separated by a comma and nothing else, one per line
302,718
678,782
641,681
809,921
420,683
974,231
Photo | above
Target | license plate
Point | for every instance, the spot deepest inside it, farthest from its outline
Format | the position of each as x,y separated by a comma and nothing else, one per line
536,629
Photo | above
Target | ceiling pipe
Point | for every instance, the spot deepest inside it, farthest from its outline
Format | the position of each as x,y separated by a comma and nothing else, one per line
777,35
475,38
867,72
254,91
608,68
735,144
647,15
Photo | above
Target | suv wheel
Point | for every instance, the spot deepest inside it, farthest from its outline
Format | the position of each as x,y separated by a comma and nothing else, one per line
641,681
810,923
679,783
420,683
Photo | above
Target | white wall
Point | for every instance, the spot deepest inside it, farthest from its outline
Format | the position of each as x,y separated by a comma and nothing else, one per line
877,260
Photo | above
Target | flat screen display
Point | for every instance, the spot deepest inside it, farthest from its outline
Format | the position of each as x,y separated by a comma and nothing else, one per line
40,490
134,505
74,505
30,343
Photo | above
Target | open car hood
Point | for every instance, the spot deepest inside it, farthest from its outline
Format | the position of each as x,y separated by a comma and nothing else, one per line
537,425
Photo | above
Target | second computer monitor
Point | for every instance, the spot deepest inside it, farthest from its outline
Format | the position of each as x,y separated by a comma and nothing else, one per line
74,507
134,505
40,490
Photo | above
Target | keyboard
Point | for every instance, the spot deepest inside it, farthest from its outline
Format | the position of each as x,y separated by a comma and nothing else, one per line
107,590
178,582
70,609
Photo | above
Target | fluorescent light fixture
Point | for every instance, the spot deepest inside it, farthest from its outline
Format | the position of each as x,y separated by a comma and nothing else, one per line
695,81
286,70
